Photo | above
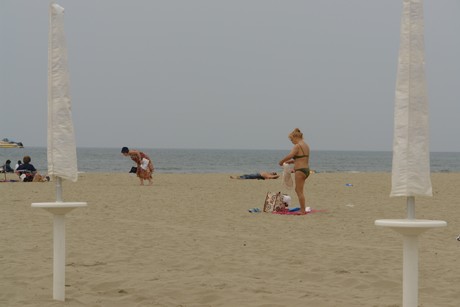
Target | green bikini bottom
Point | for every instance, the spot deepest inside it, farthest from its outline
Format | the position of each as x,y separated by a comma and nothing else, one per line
306,171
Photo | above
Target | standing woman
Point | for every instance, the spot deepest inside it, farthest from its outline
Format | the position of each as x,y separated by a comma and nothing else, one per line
143,162
299,155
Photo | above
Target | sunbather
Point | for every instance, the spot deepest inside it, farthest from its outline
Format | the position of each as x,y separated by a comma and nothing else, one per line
259,176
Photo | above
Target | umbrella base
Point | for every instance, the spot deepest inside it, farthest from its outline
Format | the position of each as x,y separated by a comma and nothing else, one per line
59,209
410,229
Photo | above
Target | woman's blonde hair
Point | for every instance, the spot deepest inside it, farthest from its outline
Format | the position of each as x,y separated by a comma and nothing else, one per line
296,134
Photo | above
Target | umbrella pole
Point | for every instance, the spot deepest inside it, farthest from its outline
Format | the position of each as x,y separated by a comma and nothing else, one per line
59,248
59,189
59,257
410,260
411,207
410,270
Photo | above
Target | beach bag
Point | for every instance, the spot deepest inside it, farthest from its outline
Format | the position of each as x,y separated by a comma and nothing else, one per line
273,202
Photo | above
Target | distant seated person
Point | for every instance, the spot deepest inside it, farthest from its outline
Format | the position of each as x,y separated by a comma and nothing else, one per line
259,176
28,173
7,167
17,165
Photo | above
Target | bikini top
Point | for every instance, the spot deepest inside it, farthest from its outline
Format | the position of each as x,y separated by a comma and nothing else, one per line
302,156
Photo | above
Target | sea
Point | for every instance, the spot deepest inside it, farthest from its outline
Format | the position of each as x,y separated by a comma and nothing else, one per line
231,161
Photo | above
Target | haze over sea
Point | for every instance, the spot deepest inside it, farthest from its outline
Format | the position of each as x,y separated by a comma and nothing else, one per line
107,160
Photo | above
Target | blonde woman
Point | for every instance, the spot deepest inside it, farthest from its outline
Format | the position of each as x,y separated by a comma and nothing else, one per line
299,156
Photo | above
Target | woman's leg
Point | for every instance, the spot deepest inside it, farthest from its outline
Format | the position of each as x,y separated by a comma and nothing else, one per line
150,179
299,184
140,174
149,172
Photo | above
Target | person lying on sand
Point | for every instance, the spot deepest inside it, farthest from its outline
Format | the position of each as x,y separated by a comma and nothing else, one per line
260,176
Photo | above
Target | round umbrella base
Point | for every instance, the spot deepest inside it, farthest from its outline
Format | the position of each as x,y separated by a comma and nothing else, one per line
410,229
59,209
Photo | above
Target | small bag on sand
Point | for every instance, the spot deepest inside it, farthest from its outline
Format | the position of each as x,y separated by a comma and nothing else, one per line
273,202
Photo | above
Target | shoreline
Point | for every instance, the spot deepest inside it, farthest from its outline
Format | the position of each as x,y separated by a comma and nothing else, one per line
190,240
232,161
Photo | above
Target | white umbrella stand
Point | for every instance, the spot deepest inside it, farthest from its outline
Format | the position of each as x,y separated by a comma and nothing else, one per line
411,154
59,210
410,229
62,155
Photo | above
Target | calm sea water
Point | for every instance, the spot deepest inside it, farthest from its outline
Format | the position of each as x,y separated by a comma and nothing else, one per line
227,161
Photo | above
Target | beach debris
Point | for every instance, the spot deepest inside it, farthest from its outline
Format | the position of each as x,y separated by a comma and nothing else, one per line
458,238
348,185
254,210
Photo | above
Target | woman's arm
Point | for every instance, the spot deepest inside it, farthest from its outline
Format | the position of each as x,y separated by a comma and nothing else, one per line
288,158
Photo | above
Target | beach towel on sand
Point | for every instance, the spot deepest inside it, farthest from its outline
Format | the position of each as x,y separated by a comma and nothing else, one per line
290,212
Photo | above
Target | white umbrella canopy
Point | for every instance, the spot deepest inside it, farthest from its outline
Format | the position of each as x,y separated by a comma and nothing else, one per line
62,153
411,153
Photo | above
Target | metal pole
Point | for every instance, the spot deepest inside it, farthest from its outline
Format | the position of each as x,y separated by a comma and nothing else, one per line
410,271
59,189
411,207
59,257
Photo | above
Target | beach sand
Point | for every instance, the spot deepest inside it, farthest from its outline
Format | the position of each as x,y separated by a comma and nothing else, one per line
189,240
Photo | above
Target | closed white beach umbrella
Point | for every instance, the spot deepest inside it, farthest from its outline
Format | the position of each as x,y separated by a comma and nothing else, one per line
411,153
62,153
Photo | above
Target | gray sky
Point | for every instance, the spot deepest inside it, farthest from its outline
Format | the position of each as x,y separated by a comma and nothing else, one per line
226,74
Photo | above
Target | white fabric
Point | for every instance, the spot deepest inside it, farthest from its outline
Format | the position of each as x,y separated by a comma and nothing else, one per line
411,153
287,175
144,164
62,153
286,199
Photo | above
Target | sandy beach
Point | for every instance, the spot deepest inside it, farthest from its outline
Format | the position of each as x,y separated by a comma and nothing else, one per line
189,240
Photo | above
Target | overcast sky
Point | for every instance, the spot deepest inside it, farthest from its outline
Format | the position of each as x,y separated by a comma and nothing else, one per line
227,74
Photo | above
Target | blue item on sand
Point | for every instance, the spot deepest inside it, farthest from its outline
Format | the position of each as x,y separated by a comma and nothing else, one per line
254,210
